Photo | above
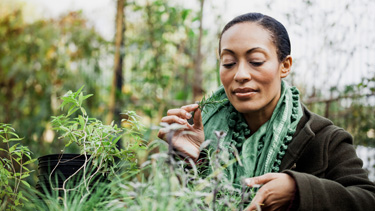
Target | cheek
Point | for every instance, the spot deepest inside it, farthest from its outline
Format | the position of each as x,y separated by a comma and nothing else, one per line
224,77
268,76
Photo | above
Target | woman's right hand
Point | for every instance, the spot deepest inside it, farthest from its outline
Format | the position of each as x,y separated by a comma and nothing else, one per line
186,143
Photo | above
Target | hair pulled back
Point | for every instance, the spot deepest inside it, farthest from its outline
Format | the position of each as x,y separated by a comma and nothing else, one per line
278,33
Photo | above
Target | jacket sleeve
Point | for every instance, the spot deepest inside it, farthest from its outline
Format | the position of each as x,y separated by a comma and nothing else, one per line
342,185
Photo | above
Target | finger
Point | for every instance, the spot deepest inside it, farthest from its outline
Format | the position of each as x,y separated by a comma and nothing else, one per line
190,108
174,119
260,180
259,199
161,133
198,119
258,208
182,113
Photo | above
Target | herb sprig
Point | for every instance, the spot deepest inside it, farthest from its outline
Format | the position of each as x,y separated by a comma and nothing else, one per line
209,102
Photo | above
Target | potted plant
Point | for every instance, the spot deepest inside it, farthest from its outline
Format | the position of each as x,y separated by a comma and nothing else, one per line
98,149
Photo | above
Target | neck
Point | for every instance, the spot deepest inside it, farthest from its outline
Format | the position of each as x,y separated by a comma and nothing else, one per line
257,118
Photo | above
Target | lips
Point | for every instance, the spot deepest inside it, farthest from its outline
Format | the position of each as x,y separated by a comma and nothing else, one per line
244,92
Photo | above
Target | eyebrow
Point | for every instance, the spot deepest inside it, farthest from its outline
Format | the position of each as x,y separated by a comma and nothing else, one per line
247,52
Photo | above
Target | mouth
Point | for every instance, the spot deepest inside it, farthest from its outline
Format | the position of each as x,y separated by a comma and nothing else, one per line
244,92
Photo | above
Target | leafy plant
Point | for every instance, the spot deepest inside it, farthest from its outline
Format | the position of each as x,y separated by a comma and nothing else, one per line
97,142
13,170
90,134
53,55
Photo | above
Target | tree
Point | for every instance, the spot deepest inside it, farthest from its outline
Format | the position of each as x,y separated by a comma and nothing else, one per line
198,75
117,83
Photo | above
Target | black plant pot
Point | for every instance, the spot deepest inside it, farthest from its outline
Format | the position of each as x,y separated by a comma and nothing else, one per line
55,169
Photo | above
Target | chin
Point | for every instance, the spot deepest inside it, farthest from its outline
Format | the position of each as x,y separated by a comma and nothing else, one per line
246,107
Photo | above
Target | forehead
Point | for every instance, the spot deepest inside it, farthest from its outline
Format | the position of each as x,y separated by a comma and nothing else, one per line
247,35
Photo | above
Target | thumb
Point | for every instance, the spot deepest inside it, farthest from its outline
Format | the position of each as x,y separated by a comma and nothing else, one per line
260,180
198,119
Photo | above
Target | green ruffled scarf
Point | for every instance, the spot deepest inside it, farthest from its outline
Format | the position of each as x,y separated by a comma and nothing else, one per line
263,151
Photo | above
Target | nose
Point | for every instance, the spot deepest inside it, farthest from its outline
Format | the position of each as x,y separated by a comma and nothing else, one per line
243,73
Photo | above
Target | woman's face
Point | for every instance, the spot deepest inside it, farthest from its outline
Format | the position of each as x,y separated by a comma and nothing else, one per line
250,70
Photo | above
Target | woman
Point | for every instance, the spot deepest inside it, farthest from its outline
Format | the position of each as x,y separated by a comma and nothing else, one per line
301,159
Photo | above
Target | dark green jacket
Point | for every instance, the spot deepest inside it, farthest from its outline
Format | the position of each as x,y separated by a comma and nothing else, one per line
327,171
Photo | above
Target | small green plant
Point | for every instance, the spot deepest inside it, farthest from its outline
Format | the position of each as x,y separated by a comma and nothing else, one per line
97,142
13,170
90,134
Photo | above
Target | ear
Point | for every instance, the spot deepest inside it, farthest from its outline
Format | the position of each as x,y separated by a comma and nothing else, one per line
285,67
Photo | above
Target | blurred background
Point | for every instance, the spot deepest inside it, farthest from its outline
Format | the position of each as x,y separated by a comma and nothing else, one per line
152,55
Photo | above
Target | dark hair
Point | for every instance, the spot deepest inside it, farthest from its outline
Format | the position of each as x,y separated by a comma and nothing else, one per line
278,33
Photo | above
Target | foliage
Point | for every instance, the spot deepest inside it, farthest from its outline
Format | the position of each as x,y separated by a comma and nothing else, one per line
13,170
176,184
76,200
351,108
43,59
160,51
40,61
165,182
92,136
96,141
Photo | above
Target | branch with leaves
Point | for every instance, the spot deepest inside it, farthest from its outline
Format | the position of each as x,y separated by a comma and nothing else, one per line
13,170
209,102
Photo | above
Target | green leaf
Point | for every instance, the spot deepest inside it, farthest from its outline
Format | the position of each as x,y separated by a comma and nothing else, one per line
29,161
116,139
79,90
14,134
11,149
24,176
80,99
81,121
4,139
69,143
83,111
87,96
72,110
14,139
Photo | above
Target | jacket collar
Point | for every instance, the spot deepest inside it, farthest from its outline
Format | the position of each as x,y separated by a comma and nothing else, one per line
305,132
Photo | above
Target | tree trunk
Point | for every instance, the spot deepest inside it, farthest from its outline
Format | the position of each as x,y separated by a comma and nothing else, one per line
117,82
198,76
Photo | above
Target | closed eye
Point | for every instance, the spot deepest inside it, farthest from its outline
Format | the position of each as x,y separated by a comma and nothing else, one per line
229,65
256,64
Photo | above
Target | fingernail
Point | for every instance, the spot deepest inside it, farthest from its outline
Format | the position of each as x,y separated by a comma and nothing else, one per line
188,115
247,181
